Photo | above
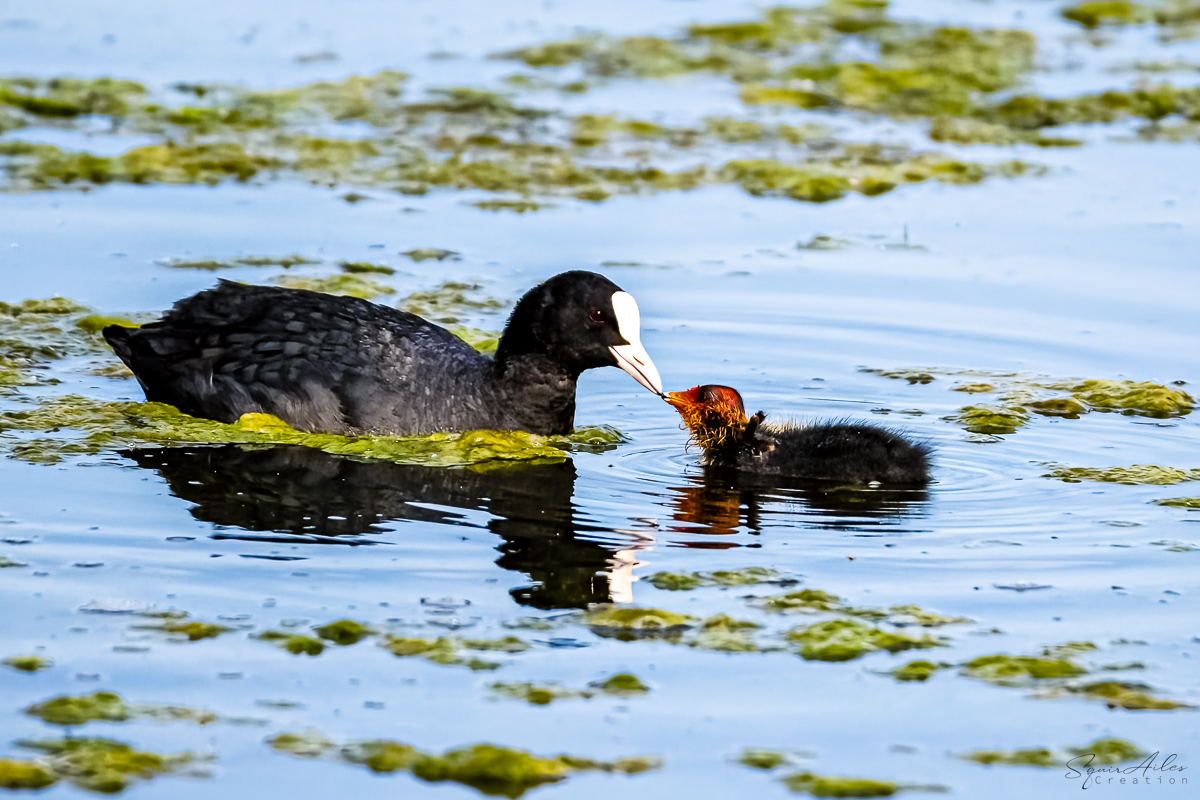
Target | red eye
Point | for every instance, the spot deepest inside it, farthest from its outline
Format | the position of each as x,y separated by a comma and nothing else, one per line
597,316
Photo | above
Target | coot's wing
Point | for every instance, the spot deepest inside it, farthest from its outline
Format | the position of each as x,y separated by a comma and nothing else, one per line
319,362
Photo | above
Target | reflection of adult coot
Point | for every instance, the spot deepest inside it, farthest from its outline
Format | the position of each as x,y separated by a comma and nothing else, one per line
298,494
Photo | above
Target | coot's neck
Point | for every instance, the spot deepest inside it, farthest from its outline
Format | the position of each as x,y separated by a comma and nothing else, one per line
537,392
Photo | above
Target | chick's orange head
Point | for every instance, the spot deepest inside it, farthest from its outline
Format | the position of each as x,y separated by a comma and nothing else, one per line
710,412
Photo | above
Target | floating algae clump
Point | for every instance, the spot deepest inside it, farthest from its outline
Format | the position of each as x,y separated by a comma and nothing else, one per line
44,166
516,206
84,426
102,765
686,581
848,639
623,684
990,419
344,632
448,301
917,670
309,744
70,97
1109,751
505,644
491,769
194,631
25,775
110,707
1005,670
350,285
28,663
1032,757
80,709
762,758
1099,752
804,599
1129,696
1108,12
1149,399
538,694
294,643
829,786
1137,474
724,634
1178,502
627,624
444,651
360,267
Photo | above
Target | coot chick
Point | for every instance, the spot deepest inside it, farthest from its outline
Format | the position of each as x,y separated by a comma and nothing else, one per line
848,453
342,365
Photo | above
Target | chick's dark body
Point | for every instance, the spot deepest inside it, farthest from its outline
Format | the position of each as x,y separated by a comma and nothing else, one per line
344,365
834,451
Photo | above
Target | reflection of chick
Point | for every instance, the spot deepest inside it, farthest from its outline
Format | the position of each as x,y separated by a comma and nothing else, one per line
844,452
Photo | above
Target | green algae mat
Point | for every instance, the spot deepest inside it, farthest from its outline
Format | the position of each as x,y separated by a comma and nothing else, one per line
969,223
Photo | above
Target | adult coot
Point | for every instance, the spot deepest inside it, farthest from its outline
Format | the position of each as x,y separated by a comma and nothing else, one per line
848,453
343,365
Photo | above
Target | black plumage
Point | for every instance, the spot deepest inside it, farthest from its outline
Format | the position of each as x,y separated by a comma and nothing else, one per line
846,452
345,365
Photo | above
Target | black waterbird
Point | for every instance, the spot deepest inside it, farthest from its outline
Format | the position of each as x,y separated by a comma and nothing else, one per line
343,365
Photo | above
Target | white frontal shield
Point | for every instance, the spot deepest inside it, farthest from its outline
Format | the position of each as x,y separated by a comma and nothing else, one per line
632,357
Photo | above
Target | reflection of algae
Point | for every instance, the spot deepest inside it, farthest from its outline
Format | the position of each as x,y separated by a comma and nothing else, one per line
746,576
1134,475
28,663
1103,751
97,426
102,765
848,639
488,768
